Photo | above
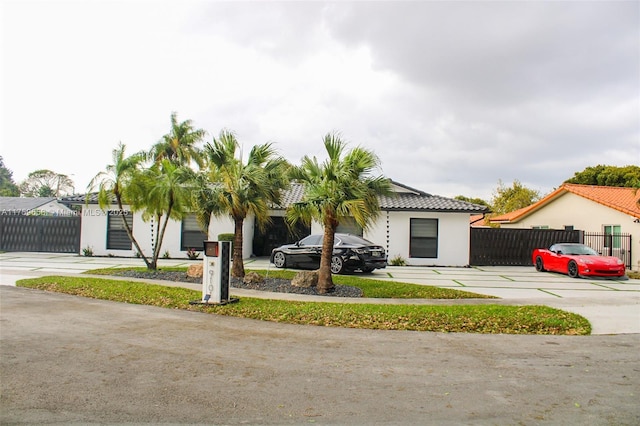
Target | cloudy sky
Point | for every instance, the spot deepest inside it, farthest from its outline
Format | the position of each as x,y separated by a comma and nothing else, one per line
453,96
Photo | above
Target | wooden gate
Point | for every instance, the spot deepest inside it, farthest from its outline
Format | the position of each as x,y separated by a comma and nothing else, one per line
40,233
513,247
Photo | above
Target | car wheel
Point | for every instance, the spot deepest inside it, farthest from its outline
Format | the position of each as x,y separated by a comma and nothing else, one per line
539,264
572,269
280,259
337,265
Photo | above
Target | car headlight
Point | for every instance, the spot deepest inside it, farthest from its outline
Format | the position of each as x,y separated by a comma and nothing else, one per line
619,261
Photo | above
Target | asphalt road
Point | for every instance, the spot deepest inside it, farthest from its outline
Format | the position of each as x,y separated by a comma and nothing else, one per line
65,360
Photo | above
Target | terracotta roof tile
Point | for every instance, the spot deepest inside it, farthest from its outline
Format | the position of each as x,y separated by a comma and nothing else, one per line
618,198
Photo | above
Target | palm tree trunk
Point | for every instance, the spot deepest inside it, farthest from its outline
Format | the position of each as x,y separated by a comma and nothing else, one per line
237,270
325,282
130,232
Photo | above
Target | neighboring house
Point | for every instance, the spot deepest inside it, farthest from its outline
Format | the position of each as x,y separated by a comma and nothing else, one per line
33,206
598,209
421,228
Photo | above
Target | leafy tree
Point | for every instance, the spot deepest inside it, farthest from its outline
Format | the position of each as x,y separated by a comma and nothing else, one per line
8,187
121,180
230,187
478,201
602,175
507,199
179,145
45,183
340,187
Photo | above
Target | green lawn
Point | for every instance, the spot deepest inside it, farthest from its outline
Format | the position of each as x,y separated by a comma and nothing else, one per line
451,318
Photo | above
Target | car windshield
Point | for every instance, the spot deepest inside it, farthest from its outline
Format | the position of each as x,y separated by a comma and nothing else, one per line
577,249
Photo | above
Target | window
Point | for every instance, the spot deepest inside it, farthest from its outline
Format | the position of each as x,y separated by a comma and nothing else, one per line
192,236
423,238
348,225
117,238
612,236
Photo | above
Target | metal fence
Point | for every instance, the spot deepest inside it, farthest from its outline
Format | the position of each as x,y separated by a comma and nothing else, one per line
618,245
513,247
40,233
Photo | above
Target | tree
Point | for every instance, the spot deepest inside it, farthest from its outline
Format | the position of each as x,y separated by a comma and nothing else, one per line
122,181
627,176
179,145
229,187
8,187
164,192
507,199
341,187
45,183
478,201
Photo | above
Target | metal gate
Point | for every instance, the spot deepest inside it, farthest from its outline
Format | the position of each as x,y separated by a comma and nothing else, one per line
513,247
40,233
618,245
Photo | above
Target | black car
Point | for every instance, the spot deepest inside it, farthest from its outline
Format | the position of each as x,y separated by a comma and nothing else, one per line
350,253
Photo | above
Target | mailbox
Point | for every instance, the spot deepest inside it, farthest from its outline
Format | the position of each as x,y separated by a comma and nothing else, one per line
216,272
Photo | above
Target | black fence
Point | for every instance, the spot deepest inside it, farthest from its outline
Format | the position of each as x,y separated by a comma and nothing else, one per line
40,233
618,245
513,247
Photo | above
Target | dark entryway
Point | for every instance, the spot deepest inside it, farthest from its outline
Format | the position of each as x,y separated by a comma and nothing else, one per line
277,234
40,233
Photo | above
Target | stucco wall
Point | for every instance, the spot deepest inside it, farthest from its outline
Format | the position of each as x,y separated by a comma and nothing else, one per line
94,234
585,215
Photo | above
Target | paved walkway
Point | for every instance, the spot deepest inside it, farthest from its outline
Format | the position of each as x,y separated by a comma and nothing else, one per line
612,306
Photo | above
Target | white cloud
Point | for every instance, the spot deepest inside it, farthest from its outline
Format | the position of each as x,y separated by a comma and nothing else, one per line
452,96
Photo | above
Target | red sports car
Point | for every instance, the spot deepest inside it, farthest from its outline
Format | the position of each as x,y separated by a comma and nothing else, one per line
577,260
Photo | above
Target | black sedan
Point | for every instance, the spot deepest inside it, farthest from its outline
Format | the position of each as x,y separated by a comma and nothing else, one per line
350,253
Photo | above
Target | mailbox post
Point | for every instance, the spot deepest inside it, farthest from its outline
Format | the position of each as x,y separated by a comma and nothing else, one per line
216,272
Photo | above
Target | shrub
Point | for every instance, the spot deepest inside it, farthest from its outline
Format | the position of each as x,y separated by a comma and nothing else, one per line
397,261
87,251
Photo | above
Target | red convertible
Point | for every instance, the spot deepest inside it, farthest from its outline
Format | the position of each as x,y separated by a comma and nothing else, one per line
577,260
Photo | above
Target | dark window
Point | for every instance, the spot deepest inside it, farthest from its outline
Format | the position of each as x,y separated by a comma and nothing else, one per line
117,238
348,225
423,238
193,236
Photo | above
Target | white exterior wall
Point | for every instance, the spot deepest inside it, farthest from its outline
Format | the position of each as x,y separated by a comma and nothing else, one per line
93,234
224,225
54,208
453,238
585,215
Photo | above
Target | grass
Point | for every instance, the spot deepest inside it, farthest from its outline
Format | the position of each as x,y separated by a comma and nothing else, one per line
371,288
452,318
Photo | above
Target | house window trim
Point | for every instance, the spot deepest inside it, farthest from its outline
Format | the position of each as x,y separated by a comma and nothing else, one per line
118,215
434,254
184,247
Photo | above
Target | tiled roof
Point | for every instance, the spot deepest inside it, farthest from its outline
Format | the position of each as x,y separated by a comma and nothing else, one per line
618,198
82,199
402,201
23,203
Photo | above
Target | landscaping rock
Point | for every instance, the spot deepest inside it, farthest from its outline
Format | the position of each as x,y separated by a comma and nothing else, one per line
305,279
194,271
253,278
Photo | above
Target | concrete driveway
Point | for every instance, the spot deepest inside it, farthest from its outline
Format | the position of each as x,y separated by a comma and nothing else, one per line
612,306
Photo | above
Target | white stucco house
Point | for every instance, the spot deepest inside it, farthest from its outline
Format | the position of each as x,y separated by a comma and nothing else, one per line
421,228
606,210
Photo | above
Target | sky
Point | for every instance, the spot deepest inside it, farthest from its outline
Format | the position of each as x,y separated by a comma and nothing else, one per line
454,97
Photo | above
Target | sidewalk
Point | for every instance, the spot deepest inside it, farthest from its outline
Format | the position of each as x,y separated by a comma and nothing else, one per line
612,306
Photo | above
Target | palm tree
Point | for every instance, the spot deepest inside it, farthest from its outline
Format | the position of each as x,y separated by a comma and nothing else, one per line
121,180
229,187
340,187
167,194
180,144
